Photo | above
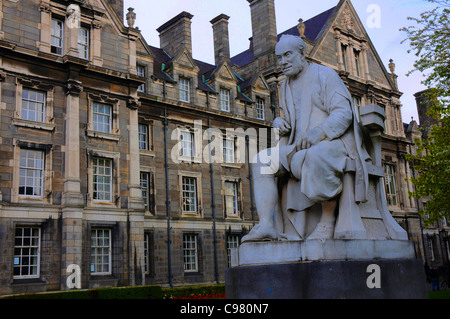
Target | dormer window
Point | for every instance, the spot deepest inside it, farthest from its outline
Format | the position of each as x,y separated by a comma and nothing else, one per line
225,100
184,90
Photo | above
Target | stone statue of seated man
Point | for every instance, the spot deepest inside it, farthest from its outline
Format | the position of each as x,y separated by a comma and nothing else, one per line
318,133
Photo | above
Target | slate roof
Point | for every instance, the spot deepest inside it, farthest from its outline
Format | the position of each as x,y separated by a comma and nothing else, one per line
161,58
313,28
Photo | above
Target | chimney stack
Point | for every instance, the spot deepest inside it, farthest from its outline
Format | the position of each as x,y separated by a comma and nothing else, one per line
221,38
175,34
264,26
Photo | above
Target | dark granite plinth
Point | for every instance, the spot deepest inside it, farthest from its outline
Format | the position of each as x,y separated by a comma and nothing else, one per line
399,279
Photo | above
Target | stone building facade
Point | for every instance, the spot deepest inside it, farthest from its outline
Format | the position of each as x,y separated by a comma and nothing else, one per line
105,139
434,237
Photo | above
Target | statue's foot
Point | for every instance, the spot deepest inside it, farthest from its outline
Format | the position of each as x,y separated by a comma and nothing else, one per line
261,233
322,231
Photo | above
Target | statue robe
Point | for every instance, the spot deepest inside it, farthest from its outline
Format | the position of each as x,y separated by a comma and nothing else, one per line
317,172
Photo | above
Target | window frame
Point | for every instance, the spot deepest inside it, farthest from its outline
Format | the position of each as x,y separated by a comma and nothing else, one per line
114,134
187,138
234,201
344,50
47,150
229,148
95,176
33,85
389,183
225,100
97,114
141,71
147,252
260,109
237,201
37,255
357,55
115,179
197,177
84,48
184,89
144,137
109,254
233,241
189,192
33,169
192,252
149,200
59,37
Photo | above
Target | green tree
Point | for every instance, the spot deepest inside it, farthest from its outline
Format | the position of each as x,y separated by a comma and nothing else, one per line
429,38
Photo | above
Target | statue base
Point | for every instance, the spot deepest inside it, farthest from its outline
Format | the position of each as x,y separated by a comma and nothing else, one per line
332,269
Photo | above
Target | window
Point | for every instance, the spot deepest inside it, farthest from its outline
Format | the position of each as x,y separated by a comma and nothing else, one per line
147,242
231,199
83,43
143,137
189,195
184,89
225,100
102,179
357,63
430,247
391,189
101,251
260,109
33,105
147,187
228,150
232,243
57,37
357,105
31,173
27,242
141,72
102,118
187,144
190,256
344,56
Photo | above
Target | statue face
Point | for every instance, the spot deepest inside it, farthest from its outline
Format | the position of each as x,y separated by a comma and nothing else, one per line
290,59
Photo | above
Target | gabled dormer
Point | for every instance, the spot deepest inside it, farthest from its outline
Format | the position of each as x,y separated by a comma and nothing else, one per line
258,91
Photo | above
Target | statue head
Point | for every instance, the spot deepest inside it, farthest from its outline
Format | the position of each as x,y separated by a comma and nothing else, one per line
290,53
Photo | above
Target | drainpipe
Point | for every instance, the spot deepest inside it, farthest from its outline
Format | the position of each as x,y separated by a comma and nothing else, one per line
166,165
250,178
213,206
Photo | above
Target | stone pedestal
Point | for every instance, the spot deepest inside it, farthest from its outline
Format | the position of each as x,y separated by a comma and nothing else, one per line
331,269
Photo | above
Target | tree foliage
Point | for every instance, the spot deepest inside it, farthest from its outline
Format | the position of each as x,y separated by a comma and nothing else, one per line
429,38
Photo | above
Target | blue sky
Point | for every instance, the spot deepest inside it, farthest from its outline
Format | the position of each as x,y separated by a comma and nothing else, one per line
386,36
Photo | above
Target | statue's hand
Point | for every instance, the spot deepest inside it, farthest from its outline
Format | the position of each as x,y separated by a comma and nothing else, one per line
282,125
313,137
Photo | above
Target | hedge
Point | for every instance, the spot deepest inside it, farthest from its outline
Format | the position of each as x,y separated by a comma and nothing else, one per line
193,290
139,292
